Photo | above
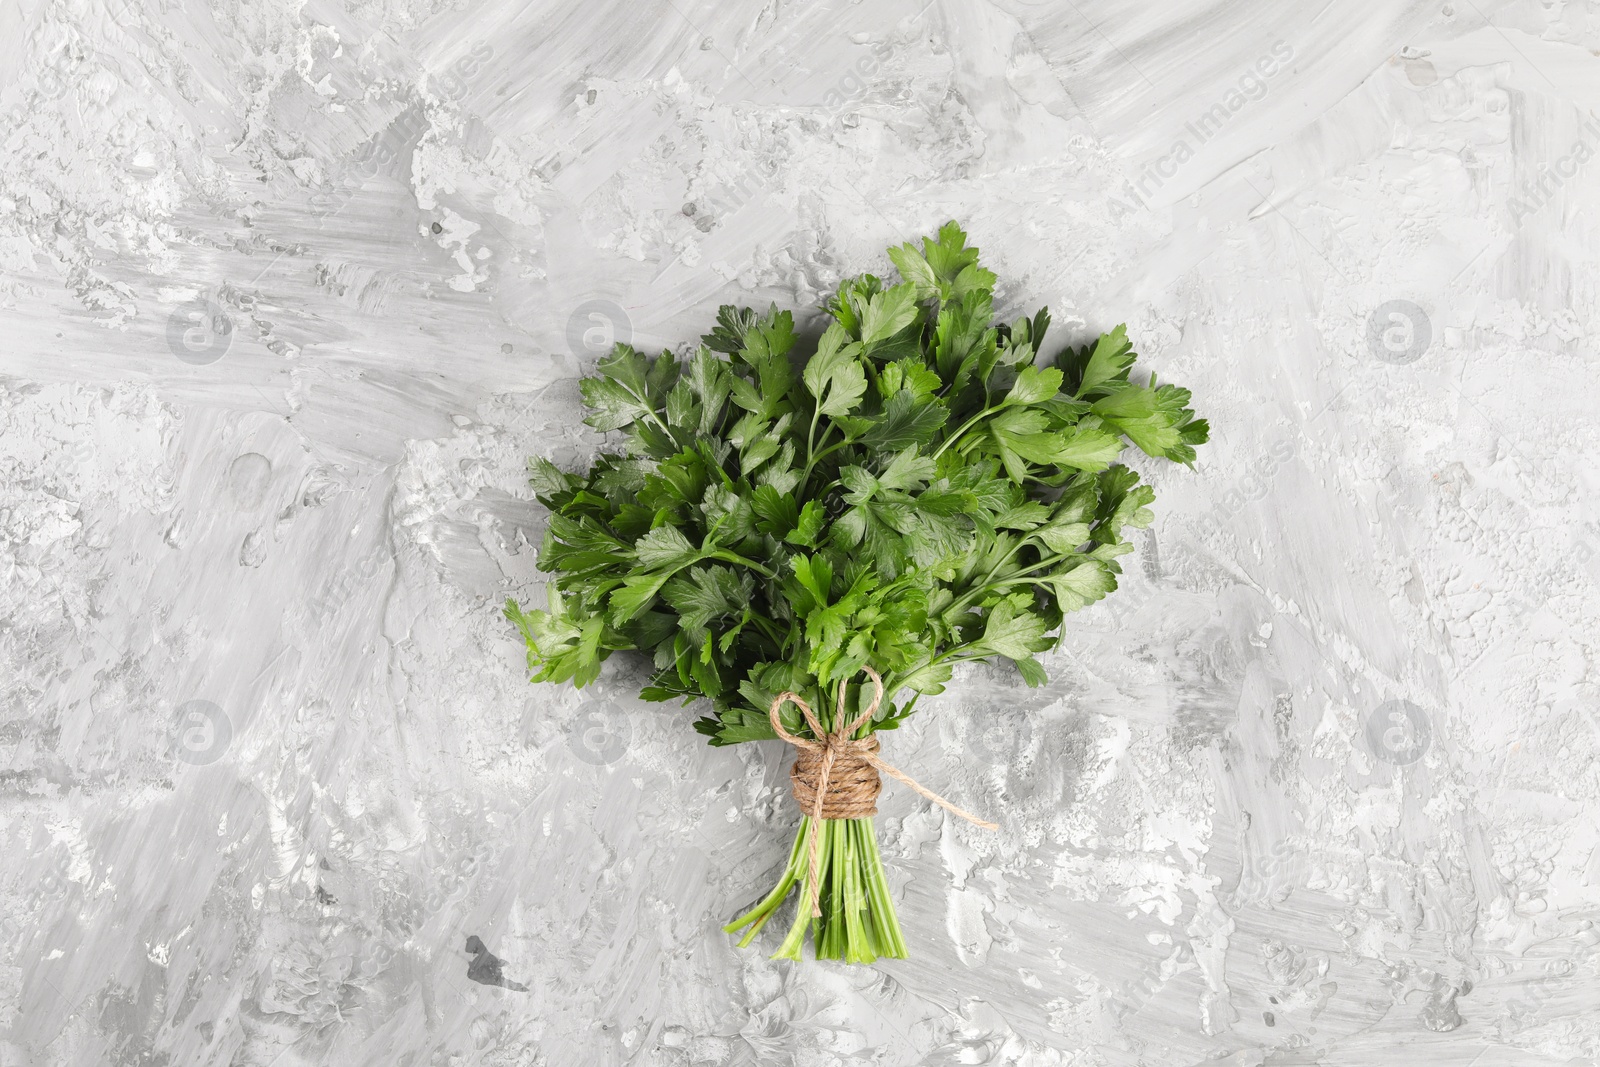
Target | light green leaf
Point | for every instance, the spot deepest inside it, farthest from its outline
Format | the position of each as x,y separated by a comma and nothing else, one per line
1065,537
815,574
860,483
1089,581
545,477
888,313
809,527
701,594
834,376
1032,672
1033,385
682,410
905,421
929,679
637,593
1088,450
1023,516
907,470
914,269
664,546
1013,635
1112,356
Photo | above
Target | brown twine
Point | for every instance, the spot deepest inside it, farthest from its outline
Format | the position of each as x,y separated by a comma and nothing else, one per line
836,775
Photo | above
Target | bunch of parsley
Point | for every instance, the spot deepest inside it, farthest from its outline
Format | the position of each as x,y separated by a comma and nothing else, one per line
922,490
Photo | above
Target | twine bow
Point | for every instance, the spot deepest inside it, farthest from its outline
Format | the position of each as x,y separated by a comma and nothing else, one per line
856,789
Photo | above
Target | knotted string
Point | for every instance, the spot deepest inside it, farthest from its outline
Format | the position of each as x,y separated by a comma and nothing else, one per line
856,791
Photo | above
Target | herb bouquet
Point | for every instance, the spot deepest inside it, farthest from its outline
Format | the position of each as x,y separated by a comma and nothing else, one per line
924,490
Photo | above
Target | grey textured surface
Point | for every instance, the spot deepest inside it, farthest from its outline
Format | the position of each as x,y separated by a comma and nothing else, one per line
291,288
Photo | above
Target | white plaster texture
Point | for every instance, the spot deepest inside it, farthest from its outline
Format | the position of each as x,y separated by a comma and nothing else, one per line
291,288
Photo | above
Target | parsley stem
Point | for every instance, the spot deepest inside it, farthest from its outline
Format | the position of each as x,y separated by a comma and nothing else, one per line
987,584
830,449
734,557
812,456
765,626
811,434
650,409
858,922
965,426
983,586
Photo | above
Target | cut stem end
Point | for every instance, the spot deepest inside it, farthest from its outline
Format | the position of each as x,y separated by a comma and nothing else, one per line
857,923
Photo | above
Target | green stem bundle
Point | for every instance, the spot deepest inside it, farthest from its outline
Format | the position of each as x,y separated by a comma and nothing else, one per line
858,923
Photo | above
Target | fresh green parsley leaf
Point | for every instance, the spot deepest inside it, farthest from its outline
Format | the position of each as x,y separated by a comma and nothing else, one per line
927,487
